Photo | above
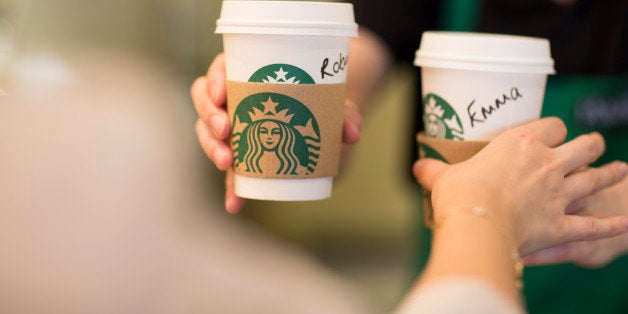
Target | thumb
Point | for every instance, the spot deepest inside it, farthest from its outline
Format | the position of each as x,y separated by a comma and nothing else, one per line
427,170
352,123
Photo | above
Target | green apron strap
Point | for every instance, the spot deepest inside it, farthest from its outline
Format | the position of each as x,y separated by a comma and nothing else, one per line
460,15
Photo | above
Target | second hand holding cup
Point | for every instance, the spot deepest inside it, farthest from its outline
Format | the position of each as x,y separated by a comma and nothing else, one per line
474,87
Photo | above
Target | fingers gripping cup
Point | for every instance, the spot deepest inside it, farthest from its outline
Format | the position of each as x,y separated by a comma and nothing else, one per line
286,64
475,86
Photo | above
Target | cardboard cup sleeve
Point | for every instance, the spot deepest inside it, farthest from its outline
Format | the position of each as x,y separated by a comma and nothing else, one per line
449,151
286,131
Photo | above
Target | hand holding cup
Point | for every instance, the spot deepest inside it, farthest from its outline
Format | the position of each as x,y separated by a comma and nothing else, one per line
524,179
273,54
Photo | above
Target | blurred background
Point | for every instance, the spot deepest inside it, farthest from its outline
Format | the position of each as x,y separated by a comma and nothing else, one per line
108,204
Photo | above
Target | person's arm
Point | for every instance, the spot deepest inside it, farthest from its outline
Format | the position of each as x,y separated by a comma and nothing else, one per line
369,61
471,270
468,245
512,196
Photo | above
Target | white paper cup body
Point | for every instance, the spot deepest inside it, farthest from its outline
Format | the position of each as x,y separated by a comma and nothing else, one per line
307,53
316,43
475,86
484,104
247,53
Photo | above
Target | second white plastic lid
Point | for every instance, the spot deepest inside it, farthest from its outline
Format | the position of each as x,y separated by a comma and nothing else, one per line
485,52
287,18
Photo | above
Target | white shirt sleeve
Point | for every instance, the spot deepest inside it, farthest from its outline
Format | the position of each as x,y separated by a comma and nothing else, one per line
458,295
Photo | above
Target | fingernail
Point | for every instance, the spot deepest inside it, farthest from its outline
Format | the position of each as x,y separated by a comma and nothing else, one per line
351,134
213,93
622,168
356,131
232,206
220,155
218,125
229,207
417,164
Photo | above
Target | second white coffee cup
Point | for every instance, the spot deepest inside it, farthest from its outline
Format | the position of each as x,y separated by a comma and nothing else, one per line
475,86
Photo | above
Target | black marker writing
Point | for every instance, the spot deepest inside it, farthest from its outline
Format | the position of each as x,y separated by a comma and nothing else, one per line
336,67
323,72
485,112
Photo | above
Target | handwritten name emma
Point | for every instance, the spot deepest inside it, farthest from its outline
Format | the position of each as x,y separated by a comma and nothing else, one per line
479,114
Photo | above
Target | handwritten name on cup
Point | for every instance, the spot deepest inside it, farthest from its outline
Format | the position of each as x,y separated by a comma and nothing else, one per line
336,67
482,113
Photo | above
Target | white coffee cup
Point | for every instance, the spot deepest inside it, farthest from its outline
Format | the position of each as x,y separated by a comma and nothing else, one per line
477,85
289,42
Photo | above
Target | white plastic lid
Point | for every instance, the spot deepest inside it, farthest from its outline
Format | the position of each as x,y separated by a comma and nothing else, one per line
287,18
485,52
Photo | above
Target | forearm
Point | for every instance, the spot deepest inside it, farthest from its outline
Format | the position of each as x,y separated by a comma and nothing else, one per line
466,245
369,64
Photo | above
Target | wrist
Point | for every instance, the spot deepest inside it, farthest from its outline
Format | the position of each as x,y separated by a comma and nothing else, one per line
494,219
471,234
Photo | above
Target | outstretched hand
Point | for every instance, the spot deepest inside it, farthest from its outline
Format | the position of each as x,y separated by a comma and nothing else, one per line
213,127
525,179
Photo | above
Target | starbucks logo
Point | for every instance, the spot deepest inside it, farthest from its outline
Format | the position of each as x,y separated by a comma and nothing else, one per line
275,134
281,74
429,152
440,119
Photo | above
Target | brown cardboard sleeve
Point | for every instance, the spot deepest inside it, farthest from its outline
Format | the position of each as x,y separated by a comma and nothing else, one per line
449,151
324,101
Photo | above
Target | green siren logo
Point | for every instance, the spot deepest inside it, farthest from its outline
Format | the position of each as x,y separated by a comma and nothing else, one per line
281,74
429,152
275,134
440,119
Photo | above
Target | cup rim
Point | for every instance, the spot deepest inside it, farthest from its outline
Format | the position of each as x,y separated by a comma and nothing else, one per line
296,18
441,49
286,28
